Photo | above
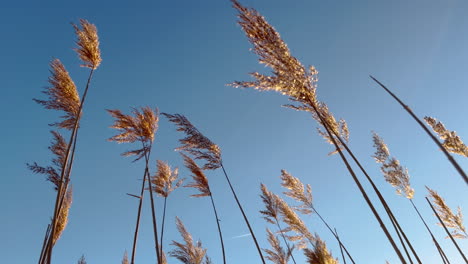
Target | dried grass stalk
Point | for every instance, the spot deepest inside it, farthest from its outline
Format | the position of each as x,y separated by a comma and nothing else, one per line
319,254
165,180
195,143
272,206
297,191
276,254
188,252
452,142
62,219
88,44
295,224
200,181
394,173
62,94
451,220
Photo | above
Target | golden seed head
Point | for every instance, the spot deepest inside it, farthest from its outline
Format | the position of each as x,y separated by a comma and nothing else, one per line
88,44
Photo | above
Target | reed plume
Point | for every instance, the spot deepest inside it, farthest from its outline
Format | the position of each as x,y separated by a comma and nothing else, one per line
88,44
125,258
451,220
62,219
188,252
395,174
452,142
291,78
63,95
319,254
82,260
277,254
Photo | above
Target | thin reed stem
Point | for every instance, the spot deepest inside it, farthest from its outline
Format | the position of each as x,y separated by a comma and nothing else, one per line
447,231
162,227
135,236
356,180
449,157
63,177
46,239
219,227
243,214
398,232
341,246
439,248
284,239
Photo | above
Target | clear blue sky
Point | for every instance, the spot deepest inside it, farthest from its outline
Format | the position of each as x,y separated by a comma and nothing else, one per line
178,56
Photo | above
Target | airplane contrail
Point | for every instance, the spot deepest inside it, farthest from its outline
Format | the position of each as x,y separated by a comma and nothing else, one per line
241,236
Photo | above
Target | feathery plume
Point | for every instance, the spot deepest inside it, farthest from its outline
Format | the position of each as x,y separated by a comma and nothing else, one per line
88,44
125,258
297,191
451,220
295,224
62,95
82,260
189,252
452,142
394,173
62,219
200,181
195,143
277,254
140,127
320,254
165,180
58,148
271,211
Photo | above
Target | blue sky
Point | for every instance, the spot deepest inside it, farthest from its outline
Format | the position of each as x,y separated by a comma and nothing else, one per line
179,56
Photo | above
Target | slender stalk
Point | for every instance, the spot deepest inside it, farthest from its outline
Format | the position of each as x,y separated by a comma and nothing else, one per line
356,180
341,246
135,236
334,234
219,227
46,239
162,227
399,237
63,177
243,214
439,248
449,157
447,231
153,210
284,239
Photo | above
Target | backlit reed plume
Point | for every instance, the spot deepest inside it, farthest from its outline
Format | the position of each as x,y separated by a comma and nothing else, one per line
164,182
451,220
276,254
272,213
291,78
303,195
195,143
319,254
202,148
62,220
125,258
200,182
140,127
63,95
88,44
428,132
394,173
452,142
188,252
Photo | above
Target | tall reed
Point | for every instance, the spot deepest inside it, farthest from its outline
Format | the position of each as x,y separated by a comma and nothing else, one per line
202,148
277,254
141,127
421,124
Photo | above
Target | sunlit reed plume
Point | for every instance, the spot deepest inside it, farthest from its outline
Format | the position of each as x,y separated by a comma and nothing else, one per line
140,127
165,180
452,142
62,94
276,254
295,224
188,252
62,219
272,210
125,258
394,173
196,143
88,44
319,254
451,220
297,191
200,181
58,148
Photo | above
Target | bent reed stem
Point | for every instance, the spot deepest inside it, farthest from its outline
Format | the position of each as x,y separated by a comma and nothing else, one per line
219,227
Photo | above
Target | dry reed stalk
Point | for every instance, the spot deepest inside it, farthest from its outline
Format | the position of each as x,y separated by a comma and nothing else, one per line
188,252
297,191
202,148
421,124
277,254
291,78
271,214
200,182
165,181
452,142
140,127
